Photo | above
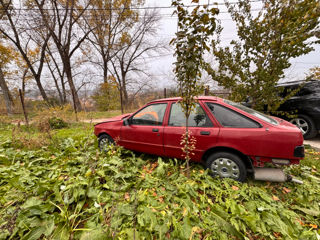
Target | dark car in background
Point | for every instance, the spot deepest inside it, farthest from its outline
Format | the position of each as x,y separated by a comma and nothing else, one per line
305,105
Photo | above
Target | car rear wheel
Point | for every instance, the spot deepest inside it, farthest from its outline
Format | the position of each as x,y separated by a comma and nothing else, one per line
227,165
104,142
306,126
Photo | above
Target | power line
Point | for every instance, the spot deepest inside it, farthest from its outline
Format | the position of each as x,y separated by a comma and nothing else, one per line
127,8
310,63
163,16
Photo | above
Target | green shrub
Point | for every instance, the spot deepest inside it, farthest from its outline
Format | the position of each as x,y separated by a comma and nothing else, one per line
107,97
57,123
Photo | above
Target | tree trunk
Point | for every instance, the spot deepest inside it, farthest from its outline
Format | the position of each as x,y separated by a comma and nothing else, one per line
76,102
124,91
23,83
41,89
6,94
105,70
56,84
63,89
58,89
121,100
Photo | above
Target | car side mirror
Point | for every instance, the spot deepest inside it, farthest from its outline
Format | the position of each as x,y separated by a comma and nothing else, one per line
126,122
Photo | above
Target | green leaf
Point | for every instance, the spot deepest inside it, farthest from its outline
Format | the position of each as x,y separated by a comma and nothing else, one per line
96,234
307,211
34,234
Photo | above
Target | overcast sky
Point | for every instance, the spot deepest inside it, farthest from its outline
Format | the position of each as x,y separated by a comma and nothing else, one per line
162,66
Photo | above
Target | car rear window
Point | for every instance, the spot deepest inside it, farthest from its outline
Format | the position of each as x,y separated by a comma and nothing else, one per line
230,118
253,112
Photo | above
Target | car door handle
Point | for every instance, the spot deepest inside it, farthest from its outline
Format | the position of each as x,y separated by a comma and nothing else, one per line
155,130
205,133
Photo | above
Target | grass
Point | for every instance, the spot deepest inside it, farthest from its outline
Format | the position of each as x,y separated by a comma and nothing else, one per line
56,185
97,114
65,113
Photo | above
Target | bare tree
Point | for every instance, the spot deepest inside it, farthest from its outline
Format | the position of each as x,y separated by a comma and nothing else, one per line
137,47
57,75
6,93
17,34
110,19
63,24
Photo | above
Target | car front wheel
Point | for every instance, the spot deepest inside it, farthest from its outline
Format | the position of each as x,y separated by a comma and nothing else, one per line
104,142
306,126
227,165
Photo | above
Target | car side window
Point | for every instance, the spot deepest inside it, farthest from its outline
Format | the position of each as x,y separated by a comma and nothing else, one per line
150,115
231,119
198,117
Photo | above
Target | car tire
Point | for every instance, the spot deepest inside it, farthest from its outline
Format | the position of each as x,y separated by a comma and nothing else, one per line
225,164
104,141
306,125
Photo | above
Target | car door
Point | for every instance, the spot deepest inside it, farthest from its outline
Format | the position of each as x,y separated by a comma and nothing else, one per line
144,133
201,127
239,131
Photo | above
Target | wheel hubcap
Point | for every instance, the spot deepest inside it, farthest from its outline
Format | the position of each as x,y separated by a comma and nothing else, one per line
104,144
301,124
225,167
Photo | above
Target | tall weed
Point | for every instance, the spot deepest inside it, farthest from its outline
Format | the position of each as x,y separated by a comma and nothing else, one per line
72,191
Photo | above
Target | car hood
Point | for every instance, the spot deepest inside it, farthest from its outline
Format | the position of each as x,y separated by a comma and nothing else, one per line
115,119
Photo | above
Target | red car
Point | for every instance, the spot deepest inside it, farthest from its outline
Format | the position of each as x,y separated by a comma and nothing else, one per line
231,139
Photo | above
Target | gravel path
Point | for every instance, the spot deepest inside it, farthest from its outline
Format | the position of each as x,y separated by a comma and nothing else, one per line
95,120
315,142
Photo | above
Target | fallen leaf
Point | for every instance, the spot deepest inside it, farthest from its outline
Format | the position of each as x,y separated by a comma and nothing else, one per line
301,223
313,225
184,213
287,190
235,188
275,198
277,234
126,196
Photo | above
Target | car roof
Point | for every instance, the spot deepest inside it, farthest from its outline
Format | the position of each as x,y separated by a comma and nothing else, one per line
174,99
295,83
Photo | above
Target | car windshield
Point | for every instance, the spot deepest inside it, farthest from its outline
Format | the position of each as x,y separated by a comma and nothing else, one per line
255,113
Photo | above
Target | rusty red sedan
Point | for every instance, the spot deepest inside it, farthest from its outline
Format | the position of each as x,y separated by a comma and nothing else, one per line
231,139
